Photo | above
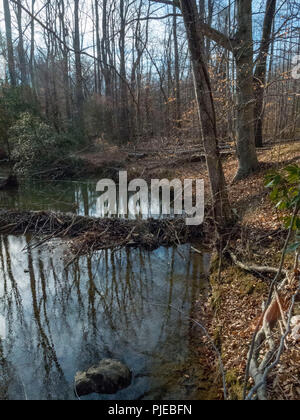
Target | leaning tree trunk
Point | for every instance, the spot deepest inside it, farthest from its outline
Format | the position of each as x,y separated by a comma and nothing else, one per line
207,113
246,151
261,71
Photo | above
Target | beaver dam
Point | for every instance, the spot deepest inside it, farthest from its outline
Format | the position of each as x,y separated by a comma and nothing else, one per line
71,210
90,234
114,299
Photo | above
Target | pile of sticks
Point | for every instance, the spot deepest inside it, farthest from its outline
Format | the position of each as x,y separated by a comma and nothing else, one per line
90,234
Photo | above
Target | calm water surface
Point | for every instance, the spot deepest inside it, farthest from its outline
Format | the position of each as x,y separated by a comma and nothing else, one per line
79,197
55,321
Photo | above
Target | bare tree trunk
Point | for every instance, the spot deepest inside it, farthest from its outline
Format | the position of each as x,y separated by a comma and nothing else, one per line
32,49
108,121
207,114
124,112
98,45
177,71
105,51
242,47
261,70
21,52
65,54
78,68
10,48
209,22
247,156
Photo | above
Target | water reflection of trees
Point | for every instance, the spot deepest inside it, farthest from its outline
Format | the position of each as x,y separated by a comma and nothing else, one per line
61,320
79,197
66,196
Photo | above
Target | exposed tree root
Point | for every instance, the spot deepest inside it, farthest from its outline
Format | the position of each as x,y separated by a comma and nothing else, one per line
253,268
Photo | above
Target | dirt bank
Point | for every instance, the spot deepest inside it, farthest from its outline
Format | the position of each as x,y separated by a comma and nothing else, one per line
234,307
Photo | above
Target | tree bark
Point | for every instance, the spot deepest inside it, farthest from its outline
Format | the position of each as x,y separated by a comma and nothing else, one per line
242,48
98,45
261,70
176,72
21,52
32,49
124,111
65,54
10,48
247,156
222,213
78,68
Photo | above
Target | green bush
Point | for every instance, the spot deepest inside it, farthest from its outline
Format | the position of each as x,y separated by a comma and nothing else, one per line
36,148
14,102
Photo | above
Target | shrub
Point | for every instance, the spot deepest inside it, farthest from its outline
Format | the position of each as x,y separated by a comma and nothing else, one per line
14,102
36,148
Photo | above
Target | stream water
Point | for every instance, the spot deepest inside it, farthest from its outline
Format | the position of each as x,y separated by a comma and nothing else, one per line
79,197
57,319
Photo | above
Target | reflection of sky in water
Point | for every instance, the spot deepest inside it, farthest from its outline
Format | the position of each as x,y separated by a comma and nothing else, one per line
109,305
69,196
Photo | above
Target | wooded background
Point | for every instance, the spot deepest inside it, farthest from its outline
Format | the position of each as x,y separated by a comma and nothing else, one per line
120,69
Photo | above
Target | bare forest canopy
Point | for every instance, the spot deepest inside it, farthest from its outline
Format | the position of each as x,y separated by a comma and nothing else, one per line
120,69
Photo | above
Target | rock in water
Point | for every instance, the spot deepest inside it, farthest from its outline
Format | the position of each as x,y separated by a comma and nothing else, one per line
109,377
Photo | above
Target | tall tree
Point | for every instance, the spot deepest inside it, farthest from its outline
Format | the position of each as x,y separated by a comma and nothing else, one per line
207,113
98,45
21,52
9,42
105,46
242,48
245,92
124,113
78,67
176,71
260,73
65,55
32,48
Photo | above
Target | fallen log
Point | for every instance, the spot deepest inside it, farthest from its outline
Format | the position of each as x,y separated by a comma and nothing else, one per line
90,234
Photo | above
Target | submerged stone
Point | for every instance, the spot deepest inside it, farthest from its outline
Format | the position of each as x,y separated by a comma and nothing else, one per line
109,377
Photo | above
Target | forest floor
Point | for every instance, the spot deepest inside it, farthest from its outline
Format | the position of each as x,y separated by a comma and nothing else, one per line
235,303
